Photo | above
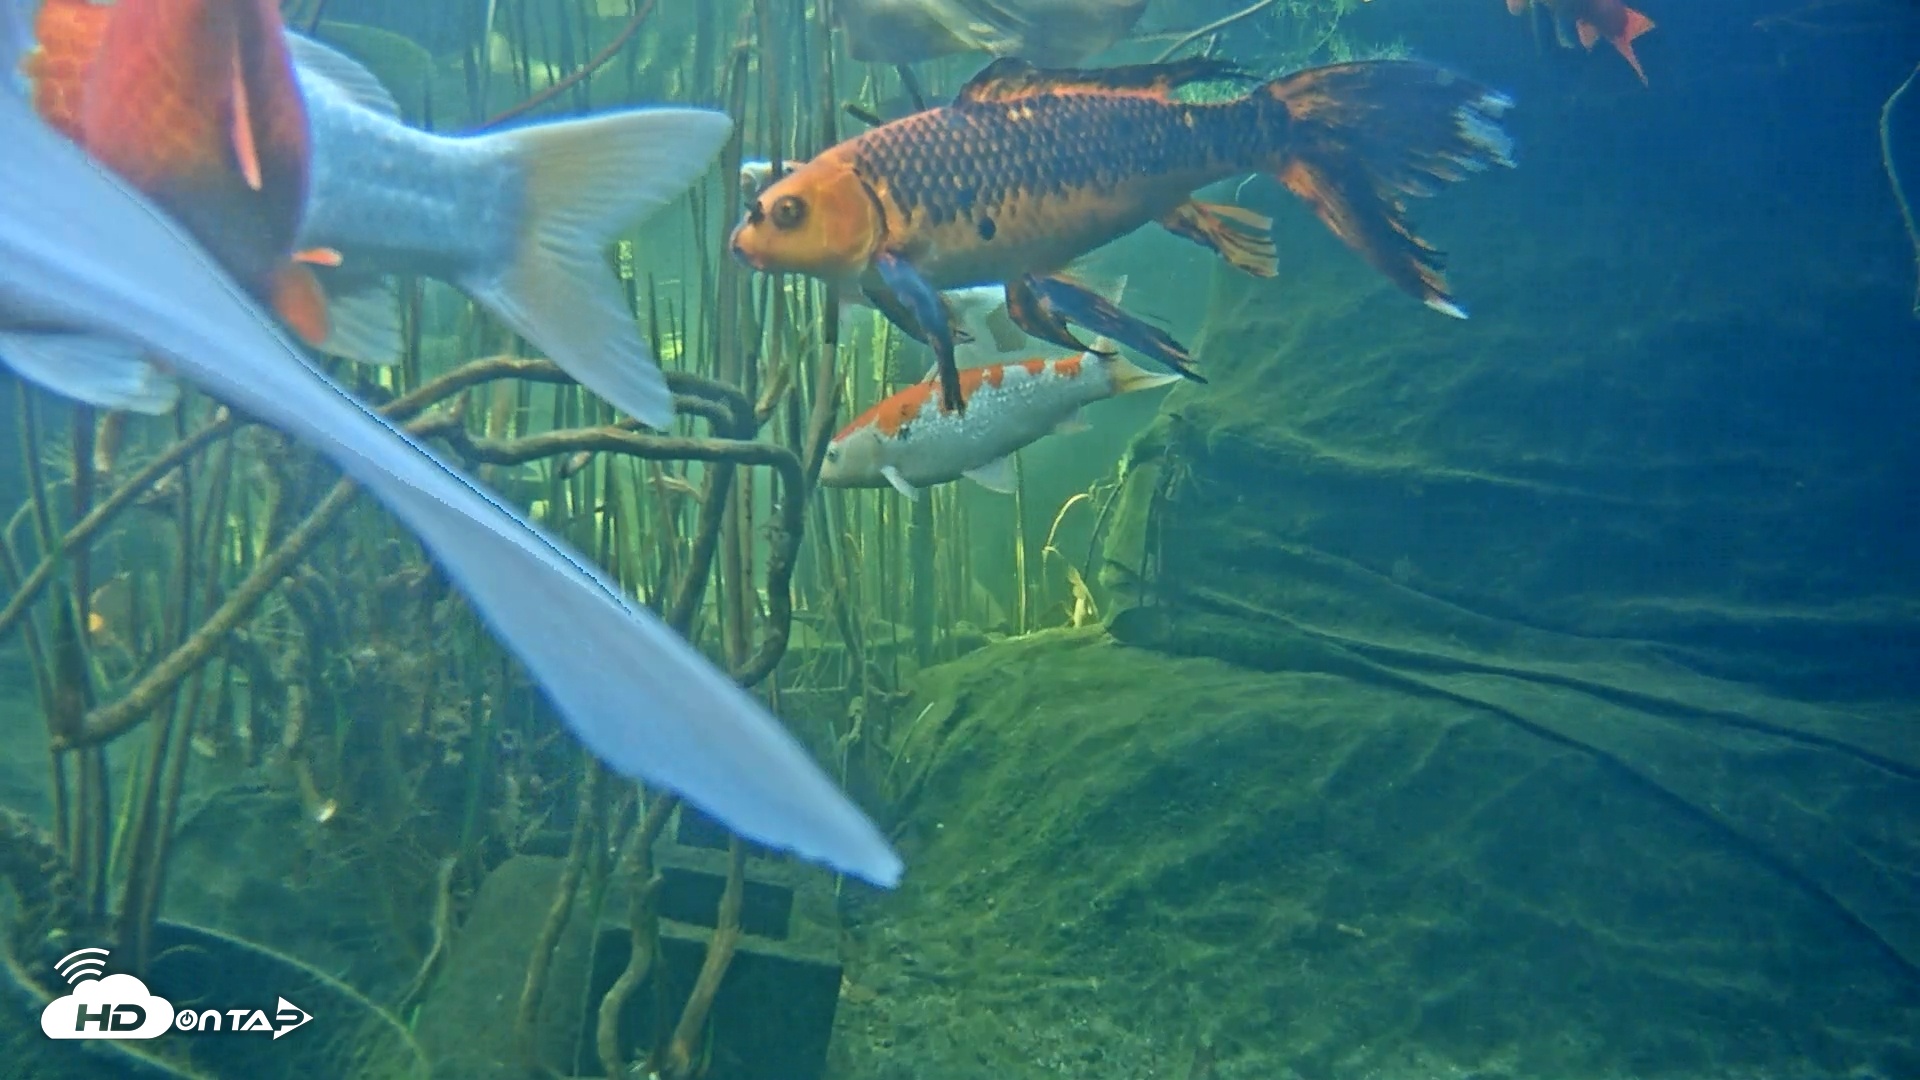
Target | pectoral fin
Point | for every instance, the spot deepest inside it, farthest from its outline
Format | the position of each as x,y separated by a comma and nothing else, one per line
930,311
100,371
1000,326
1242,237
900,483
996,475
363,318
244,150
1083,306
1034,315
301,303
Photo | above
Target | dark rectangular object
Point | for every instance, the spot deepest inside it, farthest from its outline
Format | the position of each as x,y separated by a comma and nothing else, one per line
773,1016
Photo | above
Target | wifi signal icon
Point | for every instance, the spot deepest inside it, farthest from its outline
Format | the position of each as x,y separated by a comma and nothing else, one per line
82,964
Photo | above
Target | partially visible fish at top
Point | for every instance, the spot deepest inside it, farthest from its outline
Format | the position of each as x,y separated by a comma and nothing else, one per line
519,219
193,102
84,257
1046,32
1030,169
1592,21
909,442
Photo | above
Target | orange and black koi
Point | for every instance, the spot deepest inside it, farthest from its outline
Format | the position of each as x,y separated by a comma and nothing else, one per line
1030,169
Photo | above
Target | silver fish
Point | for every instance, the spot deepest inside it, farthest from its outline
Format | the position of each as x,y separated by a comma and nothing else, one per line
909,442
1049,33
86,261
519,220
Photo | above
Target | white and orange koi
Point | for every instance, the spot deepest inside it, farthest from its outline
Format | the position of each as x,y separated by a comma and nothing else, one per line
909,442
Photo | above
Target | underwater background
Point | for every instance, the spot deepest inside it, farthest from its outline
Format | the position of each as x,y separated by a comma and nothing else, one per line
1535,695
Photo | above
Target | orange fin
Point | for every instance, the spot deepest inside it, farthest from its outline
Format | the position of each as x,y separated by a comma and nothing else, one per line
1517,7
1010,79
319,256
1589,33
1242,237
1637,24
244,150
301,303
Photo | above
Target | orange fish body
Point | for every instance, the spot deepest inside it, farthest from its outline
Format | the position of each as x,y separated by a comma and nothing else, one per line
1030,169
194,103
69,34
1594,21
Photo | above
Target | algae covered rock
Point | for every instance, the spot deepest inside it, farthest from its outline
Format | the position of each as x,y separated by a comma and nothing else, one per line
1530,696
1118,855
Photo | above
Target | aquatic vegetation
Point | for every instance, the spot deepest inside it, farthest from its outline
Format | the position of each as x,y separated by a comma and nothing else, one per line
1893,177
209,587
1224,739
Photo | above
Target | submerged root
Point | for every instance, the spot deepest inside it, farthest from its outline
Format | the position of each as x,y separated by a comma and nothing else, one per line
1893,178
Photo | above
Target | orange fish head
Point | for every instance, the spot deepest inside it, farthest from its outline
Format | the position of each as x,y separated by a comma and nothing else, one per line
822,220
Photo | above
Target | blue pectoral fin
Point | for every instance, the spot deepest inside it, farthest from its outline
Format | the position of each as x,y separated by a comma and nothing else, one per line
1028,311
1084,307
101,371
930,311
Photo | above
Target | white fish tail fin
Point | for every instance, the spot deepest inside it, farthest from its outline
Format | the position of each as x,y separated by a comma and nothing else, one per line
79,250
642,700
586,180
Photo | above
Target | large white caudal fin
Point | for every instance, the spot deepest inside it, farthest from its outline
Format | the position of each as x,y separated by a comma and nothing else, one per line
586,180
80,253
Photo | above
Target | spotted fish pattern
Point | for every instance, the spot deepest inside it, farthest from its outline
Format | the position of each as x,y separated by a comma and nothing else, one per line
1029,169
909,442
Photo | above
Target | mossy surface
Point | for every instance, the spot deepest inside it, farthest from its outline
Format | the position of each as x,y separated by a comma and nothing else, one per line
1530,696
1116,853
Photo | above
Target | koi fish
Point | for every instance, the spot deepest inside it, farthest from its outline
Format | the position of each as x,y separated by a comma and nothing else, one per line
1591,21
518,220
1048,32
909,442
980,313
193,102
1029,169
85,257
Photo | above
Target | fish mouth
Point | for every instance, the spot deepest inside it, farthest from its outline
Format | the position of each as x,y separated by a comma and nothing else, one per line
741,255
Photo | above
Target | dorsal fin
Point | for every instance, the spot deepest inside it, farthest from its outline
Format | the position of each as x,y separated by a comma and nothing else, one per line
1010,78
354,80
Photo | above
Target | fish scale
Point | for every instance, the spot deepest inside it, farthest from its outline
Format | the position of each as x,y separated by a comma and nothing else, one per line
984,156
1030,169
1010,406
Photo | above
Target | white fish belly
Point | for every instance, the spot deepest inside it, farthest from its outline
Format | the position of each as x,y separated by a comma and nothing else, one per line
396,200
1023,409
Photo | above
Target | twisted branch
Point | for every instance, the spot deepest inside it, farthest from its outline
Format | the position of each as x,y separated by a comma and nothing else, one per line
1893,178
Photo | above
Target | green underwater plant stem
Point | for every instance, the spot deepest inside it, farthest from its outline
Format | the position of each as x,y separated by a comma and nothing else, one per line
680,1062
105,511
535,986
643,929
108,721
1213,27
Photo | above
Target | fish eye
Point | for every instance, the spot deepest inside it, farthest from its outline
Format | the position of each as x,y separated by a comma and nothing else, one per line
833,453
788,212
